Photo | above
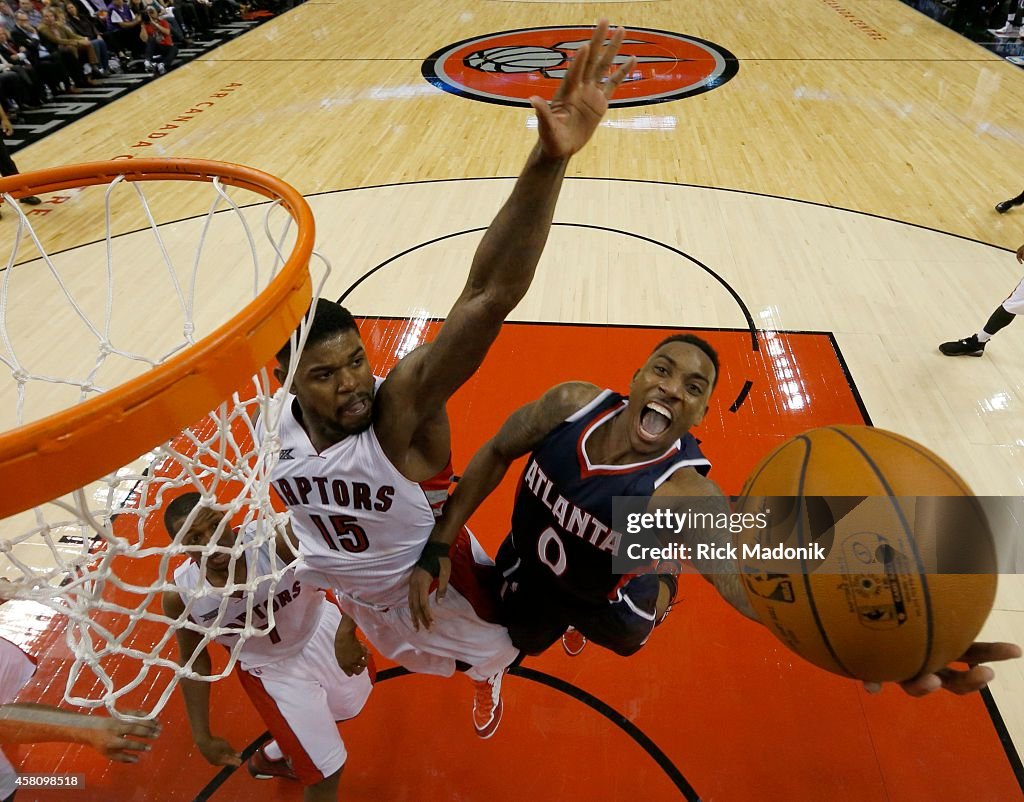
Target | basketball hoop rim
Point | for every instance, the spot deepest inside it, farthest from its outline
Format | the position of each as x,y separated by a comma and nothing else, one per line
48,458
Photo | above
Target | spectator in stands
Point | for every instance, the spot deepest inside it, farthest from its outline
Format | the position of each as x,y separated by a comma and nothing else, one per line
1014,16
165,11
6,16
57,68
156,34
126,24
86,28
16,90
77,50
20,63
193,15
33,14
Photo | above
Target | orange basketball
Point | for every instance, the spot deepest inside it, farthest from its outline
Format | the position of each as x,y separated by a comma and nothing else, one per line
876,561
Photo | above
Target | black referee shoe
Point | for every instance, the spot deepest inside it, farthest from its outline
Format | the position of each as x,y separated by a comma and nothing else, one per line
1004,206
969,346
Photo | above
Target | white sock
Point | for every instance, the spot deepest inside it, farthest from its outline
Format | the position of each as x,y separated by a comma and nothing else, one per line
272,751
983,336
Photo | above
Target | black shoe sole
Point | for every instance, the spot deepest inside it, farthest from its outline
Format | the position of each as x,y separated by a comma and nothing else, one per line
965,353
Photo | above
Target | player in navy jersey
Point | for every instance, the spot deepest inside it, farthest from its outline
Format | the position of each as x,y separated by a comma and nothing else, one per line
585,446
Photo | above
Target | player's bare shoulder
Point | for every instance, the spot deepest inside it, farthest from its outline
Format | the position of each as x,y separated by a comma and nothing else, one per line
414,433
564,399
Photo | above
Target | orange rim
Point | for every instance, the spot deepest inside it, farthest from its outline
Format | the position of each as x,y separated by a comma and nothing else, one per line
43,460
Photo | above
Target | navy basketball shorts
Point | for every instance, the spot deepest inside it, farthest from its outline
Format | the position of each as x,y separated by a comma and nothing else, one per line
537,614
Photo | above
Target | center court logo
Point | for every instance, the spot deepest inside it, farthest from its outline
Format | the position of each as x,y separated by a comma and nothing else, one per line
510,66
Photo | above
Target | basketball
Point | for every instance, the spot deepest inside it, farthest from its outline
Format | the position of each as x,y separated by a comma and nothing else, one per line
876,561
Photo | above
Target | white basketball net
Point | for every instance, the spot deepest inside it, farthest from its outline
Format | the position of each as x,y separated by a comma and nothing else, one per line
100,556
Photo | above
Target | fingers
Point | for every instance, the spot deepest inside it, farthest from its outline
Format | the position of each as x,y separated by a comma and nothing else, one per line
144,729
123,757
619,76
419,607
577,70
234,760
545,117
606,54
990,652
963,682
921,686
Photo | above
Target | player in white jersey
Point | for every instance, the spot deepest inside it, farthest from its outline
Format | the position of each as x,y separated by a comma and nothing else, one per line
354,454
291,673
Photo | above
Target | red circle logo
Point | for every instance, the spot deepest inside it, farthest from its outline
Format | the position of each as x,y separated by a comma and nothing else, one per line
510,66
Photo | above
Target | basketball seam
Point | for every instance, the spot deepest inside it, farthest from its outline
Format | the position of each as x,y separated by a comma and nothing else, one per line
803,562
753,479
938,463
929,625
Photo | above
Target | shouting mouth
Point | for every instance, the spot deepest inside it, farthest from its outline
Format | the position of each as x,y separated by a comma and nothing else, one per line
655,419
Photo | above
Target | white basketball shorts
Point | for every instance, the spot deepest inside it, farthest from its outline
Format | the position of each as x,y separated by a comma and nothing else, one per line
463,627
301,699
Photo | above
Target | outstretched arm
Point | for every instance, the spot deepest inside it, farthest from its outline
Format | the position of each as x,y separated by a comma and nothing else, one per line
507,257
523,431
114,739
196,693
701,495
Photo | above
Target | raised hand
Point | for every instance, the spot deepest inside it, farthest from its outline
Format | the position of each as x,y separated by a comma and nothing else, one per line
570,119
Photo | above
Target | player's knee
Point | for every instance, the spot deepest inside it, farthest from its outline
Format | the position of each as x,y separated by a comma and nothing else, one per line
324,791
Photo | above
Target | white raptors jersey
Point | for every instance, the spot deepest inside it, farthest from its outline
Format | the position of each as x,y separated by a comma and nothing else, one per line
296,605
361,524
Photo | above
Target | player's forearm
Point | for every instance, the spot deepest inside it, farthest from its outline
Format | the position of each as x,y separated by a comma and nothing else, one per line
34,723
721,571
483,474
507,257
197,706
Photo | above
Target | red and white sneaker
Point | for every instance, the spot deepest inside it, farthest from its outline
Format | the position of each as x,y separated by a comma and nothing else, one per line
573,641
487,705
262,767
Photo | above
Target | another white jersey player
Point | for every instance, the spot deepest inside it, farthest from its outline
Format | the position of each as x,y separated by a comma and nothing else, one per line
292,674
355,455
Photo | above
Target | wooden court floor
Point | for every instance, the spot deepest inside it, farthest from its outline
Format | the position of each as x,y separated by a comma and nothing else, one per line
824,217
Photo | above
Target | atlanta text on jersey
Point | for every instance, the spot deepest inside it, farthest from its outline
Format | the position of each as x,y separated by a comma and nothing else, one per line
572,519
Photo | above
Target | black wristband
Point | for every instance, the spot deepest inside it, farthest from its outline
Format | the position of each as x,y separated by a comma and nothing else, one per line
430,557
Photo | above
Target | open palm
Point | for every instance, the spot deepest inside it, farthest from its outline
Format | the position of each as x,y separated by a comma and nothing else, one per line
570,119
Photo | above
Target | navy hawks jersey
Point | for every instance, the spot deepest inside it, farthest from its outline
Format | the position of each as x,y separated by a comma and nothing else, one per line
562,517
